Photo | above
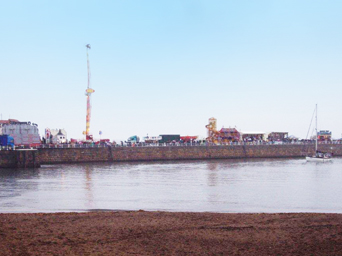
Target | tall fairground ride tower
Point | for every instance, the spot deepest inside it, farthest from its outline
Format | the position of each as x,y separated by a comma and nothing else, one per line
88,93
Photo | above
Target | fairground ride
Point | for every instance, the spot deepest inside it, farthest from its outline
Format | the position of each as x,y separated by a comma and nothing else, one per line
88,93
211,129
225,135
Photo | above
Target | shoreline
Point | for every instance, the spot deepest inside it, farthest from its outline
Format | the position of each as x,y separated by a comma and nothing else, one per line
170,233
82,211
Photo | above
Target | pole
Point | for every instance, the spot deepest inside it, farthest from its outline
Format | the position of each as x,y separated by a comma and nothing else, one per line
88,66
316,129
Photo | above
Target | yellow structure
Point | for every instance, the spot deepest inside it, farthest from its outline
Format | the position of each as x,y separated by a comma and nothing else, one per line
211,127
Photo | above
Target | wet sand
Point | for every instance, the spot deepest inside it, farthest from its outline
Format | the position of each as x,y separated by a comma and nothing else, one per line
165,233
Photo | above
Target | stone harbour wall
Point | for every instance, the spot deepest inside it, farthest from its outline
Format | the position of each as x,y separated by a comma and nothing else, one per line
33,158
74,155
119,154
19,158
8,159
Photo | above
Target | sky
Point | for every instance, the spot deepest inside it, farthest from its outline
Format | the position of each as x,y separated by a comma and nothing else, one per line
166,67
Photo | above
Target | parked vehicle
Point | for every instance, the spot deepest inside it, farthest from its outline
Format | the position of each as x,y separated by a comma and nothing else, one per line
7,142
133,139
168,138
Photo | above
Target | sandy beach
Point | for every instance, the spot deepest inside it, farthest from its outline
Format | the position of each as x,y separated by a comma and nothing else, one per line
170,233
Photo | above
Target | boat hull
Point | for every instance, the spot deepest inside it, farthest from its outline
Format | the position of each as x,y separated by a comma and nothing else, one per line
317,159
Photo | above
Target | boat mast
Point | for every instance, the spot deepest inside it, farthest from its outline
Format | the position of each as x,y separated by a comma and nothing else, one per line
316,129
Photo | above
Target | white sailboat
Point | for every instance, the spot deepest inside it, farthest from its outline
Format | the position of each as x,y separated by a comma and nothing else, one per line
318,156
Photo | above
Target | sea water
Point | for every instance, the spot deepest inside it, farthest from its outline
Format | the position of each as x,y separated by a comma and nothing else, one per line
263,185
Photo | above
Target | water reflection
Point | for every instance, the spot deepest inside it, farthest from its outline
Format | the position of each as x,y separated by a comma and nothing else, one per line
88,187
277,185
13,183
212,174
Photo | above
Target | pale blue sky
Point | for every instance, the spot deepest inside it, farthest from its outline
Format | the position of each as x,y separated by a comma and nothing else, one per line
166,67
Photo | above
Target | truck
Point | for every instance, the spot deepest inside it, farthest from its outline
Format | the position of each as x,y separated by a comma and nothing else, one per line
6,142
133,139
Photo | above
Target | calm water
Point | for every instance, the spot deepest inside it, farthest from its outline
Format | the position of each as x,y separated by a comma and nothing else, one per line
215,186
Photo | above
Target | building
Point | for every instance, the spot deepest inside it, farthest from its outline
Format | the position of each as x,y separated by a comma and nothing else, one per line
228,135
56,136
324,135
23,133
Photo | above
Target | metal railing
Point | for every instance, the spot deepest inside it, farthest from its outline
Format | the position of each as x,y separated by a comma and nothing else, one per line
72,146
178,144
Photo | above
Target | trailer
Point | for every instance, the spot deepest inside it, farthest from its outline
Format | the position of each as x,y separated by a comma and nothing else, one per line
168,138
